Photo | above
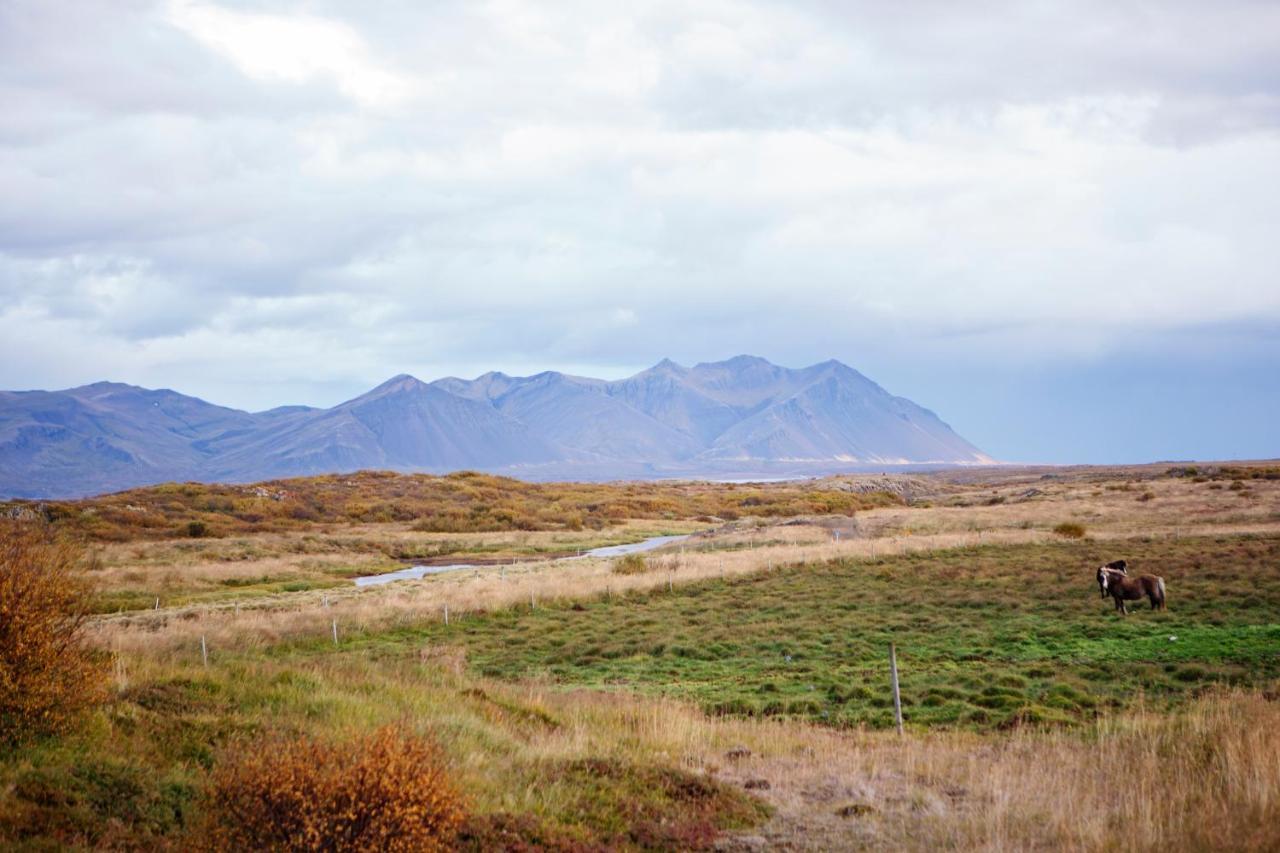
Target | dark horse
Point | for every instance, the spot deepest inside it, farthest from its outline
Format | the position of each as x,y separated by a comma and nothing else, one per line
1119,565
1117,584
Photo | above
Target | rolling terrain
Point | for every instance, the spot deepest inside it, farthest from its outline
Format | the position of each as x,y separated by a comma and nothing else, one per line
743,416
727,692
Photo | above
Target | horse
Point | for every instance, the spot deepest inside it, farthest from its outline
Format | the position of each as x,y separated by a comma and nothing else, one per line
1119,565
1123,588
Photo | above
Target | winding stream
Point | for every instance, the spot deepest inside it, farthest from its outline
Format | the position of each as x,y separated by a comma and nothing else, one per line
415,572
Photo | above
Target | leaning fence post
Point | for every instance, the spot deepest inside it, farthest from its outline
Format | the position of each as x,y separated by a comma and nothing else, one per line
335,632
897,698
204,650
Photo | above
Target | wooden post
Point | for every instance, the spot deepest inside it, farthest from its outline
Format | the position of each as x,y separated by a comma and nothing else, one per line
897,698
157,604
532,604
335,632
670,575
446,613
204,650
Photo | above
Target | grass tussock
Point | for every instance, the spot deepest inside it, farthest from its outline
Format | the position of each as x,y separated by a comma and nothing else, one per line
381,791
631,564
1070,530
48,675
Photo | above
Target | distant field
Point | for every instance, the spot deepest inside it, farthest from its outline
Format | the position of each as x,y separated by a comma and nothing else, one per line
987,636
463,502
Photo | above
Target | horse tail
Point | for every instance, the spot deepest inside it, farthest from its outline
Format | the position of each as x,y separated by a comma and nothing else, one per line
1160,591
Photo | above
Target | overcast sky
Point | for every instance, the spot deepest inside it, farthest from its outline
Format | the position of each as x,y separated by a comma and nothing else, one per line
1056,224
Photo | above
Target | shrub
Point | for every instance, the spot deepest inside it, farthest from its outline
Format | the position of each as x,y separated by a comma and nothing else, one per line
197,529
381,791
48,675
631,564
1070,530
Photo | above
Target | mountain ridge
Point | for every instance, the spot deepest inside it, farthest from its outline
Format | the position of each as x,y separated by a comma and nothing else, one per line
741,416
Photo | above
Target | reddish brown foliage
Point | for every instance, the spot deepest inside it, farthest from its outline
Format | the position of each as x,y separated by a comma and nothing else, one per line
382,791
47,674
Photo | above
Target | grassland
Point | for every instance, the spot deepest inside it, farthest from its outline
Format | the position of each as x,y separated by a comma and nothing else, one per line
988,636
733,693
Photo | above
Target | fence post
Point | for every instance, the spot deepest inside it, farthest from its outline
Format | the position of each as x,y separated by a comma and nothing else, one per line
157,604
446,613
335,632
204,650
897,698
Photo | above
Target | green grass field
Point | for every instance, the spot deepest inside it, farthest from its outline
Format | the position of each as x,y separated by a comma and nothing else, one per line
987,637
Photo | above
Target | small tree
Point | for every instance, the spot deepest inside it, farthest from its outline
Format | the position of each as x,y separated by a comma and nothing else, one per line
381,791
48,675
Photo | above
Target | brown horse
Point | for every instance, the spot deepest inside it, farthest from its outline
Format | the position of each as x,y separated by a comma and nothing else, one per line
1122,588
1119,565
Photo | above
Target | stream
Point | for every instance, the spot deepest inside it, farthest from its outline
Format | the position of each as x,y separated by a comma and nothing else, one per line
415,572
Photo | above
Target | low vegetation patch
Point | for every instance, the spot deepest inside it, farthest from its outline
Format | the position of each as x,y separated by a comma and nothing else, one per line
380,791
631,564
1070,530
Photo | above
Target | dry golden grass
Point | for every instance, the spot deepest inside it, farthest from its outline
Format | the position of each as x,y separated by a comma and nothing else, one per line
1207,777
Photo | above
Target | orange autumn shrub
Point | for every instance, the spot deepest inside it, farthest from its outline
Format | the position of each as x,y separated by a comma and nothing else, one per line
48,675
380,791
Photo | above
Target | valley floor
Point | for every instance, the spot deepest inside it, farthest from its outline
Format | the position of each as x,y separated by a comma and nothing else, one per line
731,691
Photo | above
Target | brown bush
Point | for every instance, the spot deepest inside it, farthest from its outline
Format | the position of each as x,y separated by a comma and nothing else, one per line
381,791
631,564
1070,530
47,673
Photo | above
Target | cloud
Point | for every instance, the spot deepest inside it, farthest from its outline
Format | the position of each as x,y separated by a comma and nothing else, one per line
194,193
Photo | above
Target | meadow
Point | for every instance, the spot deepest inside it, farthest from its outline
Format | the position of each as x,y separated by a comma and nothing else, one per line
987,636
730,692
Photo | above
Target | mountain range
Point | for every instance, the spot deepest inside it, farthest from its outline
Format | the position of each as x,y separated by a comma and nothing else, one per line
742,417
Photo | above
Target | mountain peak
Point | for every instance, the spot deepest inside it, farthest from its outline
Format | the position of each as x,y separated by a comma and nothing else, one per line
743,361
396,384
667,366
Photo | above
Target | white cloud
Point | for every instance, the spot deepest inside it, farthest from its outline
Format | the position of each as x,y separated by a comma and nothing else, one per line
355,190
292,48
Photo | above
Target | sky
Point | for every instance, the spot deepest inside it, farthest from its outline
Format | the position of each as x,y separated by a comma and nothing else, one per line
1055,224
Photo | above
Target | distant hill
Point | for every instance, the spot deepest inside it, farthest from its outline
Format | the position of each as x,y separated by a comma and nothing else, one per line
740,417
